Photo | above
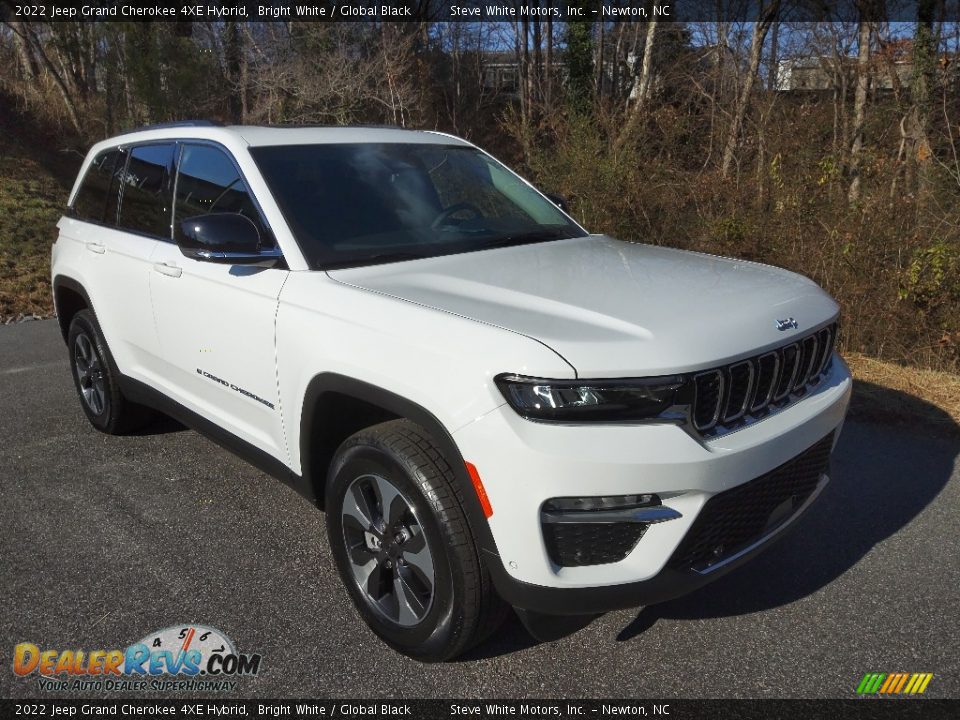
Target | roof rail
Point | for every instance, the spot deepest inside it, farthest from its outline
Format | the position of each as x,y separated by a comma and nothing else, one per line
308,126
175,124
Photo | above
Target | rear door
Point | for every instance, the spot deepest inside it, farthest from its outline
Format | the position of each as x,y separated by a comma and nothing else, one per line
118,248
216,322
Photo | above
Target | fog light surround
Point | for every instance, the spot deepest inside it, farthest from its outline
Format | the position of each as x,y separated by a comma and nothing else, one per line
605,509
598,530
605,502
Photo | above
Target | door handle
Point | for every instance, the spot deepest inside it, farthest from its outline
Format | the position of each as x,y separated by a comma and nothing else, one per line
168,269
96,247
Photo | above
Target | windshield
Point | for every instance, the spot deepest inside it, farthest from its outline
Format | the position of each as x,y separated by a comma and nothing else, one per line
369,203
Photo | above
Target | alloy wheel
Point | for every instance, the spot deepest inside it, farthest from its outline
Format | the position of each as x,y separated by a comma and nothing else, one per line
389,556
90,374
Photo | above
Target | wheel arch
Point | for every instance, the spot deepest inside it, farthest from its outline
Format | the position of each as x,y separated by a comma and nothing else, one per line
69,298
336,406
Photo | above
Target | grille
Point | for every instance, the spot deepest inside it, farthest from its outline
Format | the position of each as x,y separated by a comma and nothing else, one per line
576,544
738,517
709,392
729,397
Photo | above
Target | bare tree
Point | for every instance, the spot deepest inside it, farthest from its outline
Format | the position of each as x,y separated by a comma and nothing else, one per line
236,70
860,104
774,60
643,86
34,44
925,44
28,64
767,15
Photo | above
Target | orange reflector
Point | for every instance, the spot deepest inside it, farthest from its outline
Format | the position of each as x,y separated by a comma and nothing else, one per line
478,488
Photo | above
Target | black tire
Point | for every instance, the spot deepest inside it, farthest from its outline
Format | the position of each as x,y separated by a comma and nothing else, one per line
96,379
463,608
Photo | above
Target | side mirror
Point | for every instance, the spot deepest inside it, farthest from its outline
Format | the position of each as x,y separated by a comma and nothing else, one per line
559,201
228,238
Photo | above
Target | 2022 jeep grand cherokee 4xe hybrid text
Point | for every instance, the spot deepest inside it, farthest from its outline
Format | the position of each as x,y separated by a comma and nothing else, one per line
494,407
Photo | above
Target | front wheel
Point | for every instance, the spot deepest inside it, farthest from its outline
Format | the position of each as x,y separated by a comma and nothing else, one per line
403,546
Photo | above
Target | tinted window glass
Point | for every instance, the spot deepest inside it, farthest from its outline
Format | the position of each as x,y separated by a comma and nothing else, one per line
145,205
91,200
357,204
208,182
113,195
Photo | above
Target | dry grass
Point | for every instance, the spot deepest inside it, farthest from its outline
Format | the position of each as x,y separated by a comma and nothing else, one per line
893,392
30,204
35,178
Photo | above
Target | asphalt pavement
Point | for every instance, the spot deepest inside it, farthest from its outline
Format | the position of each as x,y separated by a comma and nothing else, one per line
106,539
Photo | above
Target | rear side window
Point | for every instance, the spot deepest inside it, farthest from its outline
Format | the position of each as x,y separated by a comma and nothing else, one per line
209,182
113,195
145,205
91,200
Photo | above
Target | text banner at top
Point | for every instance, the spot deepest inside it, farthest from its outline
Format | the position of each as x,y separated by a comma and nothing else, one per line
471,10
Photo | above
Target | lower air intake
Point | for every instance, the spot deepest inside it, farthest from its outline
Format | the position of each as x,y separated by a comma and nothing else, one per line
735,519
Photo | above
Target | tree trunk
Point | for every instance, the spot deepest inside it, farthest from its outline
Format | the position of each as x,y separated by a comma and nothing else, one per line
527,74
859,108
598,87
233,51
28,64
760,29
773,70
918,123
723,47
646,70
523,61
643,91
579,61
548,67
244,76
124,72
537,60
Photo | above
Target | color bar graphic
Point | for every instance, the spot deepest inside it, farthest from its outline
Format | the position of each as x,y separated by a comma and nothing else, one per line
894,683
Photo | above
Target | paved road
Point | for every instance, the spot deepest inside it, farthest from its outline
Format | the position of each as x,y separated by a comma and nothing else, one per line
105,539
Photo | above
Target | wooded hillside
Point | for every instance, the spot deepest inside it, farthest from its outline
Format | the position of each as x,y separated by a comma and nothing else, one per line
828,148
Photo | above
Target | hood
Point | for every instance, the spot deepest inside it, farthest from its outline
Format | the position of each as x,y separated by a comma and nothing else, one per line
612,308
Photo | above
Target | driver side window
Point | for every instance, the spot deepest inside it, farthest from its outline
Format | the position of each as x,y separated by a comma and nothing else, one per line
209,182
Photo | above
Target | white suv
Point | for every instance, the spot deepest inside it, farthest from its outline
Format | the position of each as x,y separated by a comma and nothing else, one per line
495,407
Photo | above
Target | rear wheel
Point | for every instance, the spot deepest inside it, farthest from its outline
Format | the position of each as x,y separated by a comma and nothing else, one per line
97,380
403,546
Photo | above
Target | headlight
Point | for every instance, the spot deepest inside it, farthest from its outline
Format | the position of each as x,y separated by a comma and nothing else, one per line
616,400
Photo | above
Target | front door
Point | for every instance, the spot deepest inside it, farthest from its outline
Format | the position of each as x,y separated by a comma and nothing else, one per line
216,322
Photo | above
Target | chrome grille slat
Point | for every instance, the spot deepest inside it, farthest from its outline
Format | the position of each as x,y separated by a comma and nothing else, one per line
808,351
738,394
763,397
790,361
708,396
817,362
828,337
814,359
727,397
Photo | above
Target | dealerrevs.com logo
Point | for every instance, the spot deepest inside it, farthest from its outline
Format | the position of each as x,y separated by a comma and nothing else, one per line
188,658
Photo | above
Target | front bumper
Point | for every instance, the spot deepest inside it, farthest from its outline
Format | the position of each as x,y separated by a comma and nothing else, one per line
668,584
523,464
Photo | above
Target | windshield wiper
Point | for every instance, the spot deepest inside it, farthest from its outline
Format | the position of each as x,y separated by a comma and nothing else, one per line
376,259
525,238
